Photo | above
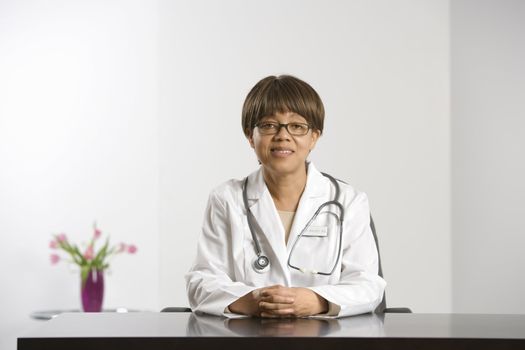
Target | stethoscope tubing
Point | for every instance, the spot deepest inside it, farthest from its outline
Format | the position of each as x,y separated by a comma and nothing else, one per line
341,218
262,262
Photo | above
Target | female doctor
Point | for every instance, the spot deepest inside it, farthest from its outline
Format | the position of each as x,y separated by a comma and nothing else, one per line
288,240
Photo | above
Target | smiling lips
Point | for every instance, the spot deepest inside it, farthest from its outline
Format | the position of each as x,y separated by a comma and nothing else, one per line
281,152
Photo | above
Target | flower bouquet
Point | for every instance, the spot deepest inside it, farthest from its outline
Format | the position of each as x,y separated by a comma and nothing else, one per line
92,264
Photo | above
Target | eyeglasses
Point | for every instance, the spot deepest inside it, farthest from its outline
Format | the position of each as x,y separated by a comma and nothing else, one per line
272,128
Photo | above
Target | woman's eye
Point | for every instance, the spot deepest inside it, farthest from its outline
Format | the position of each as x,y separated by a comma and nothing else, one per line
295,126
268,126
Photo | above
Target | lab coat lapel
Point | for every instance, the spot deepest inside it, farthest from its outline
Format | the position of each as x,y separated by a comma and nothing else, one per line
316,192
270,231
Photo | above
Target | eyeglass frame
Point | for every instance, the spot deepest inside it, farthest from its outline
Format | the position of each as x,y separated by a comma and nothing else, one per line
285,126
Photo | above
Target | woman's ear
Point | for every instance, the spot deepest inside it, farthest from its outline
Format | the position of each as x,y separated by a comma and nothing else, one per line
249,136
315,136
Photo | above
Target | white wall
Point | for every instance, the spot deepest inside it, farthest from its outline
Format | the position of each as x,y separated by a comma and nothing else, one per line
128,112
488,167
78,142
381,68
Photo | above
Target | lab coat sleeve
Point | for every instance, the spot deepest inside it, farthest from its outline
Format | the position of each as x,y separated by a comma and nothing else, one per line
360,289
209,282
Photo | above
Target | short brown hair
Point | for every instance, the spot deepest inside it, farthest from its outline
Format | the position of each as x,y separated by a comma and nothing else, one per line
281,94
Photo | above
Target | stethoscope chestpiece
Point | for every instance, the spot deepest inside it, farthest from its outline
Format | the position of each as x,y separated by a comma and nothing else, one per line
261,264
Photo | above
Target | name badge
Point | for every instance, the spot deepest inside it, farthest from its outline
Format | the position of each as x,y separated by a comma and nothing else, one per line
316,231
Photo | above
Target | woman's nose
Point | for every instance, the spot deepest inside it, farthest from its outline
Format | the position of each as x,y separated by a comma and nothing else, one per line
282,133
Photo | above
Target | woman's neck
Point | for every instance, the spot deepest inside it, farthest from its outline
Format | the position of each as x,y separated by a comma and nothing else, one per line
286,190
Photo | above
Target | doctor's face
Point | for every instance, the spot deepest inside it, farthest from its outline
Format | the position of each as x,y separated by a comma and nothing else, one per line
282,153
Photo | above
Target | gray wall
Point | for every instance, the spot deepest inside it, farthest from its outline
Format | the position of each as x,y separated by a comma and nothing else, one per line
488,155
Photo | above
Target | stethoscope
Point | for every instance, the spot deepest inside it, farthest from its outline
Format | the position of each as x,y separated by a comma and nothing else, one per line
262,263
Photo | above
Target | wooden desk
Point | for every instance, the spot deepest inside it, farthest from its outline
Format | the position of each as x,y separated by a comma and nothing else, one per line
148,330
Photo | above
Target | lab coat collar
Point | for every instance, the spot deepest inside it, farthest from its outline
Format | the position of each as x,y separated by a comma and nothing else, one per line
313,188
271,231
316,192
315,183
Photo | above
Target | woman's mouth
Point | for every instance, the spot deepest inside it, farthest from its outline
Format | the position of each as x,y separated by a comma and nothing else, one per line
281,152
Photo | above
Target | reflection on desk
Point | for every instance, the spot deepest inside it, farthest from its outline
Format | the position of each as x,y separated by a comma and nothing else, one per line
150,330
46,315
369,325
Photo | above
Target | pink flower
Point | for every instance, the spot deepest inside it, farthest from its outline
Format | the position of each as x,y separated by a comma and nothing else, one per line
54,259
89,255
122,247
97,233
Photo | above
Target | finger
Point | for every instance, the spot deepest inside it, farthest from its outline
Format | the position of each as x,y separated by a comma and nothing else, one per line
270,290
277,309
284,291
275,286
263,305
278,299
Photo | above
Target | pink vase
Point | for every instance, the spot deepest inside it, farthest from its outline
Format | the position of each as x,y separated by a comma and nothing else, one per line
92,290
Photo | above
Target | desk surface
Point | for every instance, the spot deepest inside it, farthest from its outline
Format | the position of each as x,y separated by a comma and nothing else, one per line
170,330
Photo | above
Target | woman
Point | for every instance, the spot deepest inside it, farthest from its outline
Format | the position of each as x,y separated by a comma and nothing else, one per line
287,241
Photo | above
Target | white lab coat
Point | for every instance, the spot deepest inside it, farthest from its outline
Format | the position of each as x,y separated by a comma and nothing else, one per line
223,270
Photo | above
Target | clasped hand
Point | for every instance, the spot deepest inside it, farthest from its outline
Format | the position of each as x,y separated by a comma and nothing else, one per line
279,301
